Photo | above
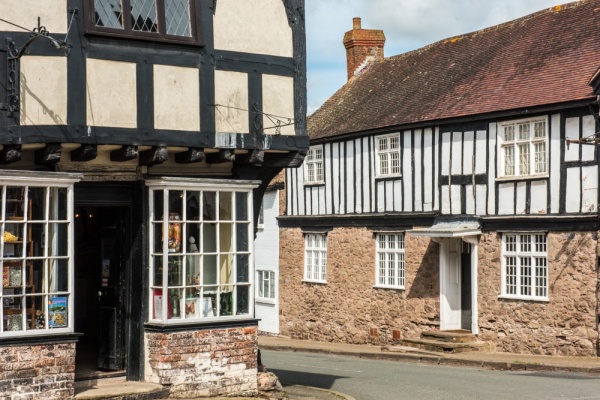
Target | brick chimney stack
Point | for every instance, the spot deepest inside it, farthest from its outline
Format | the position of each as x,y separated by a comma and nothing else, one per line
362,45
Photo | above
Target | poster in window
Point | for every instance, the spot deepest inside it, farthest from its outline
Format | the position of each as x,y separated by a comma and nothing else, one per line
57,310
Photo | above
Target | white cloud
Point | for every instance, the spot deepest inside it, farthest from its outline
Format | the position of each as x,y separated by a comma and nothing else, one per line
407,24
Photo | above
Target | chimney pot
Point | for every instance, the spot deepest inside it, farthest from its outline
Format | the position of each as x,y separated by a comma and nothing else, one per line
356,23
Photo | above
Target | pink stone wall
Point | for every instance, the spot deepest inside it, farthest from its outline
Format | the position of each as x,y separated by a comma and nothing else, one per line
348,308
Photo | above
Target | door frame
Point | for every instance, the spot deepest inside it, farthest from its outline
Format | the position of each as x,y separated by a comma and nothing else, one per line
445,247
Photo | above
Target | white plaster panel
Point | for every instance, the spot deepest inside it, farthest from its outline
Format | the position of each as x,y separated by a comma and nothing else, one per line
358,180
539,197
445,199
418,154
335,176
456,199
111,93
380,188
572,132
457,153
468,152
300,191
506,198
407,179
573,193
491,170
348,161
436,175
43,90
327,170
481,199
257,26
53,15
470,200
231,97
588,128
521,189
278,100
480,152
555,160
176,98
393,196
446,136
428,170
396,187
589,188
367,172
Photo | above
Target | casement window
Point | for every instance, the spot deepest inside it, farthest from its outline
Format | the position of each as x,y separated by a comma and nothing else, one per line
156,20
315,257
265,285
313,165
523,147
37,257
525,266
388,155
390,260
201,250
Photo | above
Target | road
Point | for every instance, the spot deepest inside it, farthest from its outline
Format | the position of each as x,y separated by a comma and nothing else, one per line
366,379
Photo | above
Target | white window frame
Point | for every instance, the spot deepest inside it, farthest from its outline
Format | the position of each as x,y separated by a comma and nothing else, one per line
159,228
266,283
313,166
389,158
315,257
519,144
525,266
49,252
390,271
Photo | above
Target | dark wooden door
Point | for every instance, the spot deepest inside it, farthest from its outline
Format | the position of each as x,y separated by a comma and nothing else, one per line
465,285
111,354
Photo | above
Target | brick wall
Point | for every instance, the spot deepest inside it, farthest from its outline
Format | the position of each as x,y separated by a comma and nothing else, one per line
566,324
204,363
348,308
37,371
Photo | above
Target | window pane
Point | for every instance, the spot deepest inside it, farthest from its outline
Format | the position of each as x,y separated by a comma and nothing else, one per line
242,268
38,304
109,13
242,237
158,269
540,157
58,235
243,296
209,206
37,198
58,311
175,303
143,16
175,271
210,270
225,206
241,206
58,200
509,133
524,159
225,237
35,275
178,17
158,205
192,202
158,236
58,275
209,238
15,206
524,131
509,160
226,269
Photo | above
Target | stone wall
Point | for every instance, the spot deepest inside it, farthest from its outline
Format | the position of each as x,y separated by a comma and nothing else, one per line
348,308
204,363
566,324
41,371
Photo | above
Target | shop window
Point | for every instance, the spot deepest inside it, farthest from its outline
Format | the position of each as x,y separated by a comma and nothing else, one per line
37,270
158,20
201,249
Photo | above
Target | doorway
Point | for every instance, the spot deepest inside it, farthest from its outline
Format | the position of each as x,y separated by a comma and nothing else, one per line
101,246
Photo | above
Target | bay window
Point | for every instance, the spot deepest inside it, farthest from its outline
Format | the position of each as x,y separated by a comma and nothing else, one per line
201,249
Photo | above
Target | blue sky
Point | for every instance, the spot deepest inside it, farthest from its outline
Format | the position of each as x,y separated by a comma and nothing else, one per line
407,24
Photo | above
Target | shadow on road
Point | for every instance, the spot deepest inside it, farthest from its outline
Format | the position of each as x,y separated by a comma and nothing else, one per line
323,381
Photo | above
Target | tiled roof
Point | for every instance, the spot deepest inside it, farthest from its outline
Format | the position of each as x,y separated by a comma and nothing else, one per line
544,58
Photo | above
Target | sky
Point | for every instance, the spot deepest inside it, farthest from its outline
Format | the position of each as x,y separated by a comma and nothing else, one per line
407,25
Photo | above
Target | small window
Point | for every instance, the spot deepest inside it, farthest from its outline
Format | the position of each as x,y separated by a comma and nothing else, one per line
200,252
388,156
523,148
265,285
525,266
390,260
261,217
313,165
315,257
160,20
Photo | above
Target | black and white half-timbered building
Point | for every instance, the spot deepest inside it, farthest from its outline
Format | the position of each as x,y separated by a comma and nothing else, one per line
453,187
136,137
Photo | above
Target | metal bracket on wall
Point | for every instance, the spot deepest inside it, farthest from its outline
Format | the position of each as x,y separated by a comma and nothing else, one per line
12,79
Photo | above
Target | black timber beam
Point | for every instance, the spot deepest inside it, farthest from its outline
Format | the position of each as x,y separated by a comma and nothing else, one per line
292,159
85,152
154,156
49,154
253,157
125,153
192,155
11,153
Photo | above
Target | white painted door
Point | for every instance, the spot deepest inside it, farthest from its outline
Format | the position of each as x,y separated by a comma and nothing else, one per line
451,310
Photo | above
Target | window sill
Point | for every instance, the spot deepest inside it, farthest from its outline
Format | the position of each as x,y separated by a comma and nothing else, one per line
316,183
525,298
389,287
313,281
522,178
384,178
265,301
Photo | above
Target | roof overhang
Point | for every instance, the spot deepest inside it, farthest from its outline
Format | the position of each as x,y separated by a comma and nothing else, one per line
449,229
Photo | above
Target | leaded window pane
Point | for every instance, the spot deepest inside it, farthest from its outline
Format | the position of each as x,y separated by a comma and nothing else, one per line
109,13
144,16
178,17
